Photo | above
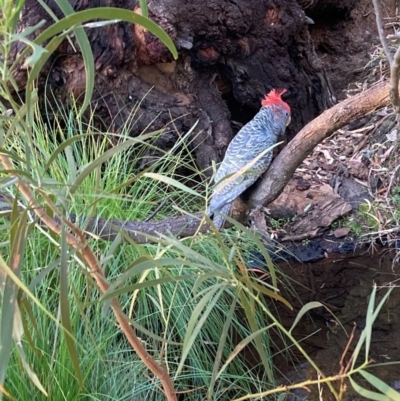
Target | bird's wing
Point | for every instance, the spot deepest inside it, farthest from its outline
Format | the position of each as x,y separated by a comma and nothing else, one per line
231,191
244,147
220,199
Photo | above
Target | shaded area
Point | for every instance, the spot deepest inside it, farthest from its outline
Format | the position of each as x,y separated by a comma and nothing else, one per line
343,283
227,50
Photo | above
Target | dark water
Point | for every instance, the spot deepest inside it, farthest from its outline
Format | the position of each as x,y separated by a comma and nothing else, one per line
343,282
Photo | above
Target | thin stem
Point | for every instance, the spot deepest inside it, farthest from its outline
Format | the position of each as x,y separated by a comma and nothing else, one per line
381,32
78,243
394,81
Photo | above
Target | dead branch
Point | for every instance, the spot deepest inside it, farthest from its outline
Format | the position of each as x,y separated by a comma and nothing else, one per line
394,61
381,31
286,163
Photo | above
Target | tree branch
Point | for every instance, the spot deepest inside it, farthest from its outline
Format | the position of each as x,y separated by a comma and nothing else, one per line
381,31
292,155
394,62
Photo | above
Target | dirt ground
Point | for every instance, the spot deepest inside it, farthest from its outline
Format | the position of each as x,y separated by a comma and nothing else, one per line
345,45
357,164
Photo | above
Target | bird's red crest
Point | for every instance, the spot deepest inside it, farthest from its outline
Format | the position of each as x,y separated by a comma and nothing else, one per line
274,97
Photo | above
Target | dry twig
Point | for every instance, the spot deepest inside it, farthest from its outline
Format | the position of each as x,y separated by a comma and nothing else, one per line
394,61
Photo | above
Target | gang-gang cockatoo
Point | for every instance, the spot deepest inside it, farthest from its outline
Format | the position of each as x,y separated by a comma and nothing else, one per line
258,135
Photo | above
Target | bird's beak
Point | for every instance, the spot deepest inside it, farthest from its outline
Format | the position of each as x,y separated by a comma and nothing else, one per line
288,121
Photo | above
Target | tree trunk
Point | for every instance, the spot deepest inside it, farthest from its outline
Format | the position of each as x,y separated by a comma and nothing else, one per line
230,54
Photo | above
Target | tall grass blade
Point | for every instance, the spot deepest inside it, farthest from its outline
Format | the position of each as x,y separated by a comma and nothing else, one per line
369,321
261,248
221,345
380,385
65,144
87,54
199,316
106,156
65,310
107,13
144,9
172,182
18,331
249,309
373,314
250,284
243,344
10,294
146,284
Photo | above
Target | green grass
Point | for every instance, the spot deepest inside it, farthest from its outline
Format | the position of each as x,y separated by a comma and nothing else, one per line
111,370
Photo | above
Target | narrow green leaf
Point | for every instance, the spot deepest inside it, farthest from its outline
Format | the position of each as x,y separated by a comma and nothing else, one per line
368,393
307,307
65,310
107,13
26,308
202,260
207,276
105,156
87,55
221,345
272,294
18,331
38,60
6,269
140,265
149,333
193,329
111,251
6,326
144,9
261,248
9,301
369,321
381,385
243,344
249,309
146,284
68,142
172,182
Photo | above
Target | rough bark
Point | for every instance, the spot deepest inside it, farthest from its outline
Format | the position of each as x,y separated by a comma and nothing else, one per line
230,55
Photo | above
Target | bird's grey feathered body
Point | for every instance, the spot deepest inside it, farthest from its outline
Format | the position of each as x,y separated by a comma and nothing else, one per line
262,132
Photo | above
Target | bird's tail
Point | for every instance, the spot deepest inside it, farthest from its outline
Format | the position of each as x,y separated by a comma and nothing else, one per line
219,220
